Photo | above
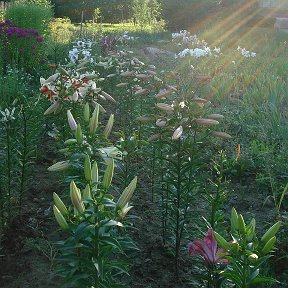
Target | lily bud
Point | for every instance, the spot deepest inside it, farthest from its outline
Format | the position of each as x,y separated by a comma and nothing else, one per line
94,119
87,192
94,173
86,112
271,232
125,210
60,218
127,193
70,142
87,168
206,122
242,225
269,245
108,97
75,96
59,166
76,197
177,133
253,257
108,175
53,108
165,107
71,121
109,126
234,246
215,116
79,135
59,204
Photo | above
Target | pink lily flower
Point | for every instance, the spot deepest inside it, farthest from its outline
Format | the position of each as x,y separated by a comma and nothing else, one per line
207,249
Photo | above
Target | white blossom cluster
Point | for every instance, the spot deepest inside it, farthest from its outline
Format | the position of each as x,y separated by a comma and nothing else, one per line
185,38
81,51
246,53
198,52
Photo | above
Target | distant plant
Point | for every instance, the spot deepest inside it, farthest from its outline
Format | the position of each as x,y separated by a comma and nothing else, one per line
21,47
30,16
147,13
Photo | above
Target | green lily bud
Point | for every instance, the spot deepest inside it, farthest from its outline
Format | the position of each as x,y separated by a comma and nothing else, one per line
59,204
272,231
59,166
108,175
87,192
269,245
94,173
86,112
79,135
94,119
241,223
70,142
87,168
221,241
250,231
125,210
234,246
234,220
253,257
109,126
60,218
127,193
76,197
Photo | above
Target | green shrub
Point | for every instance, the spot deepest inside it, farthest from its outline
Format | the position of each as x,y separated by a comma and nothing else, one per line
27,16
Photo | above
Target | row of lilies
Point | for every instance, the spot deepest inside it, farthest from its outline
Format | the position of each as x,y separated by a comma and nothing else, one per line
166,131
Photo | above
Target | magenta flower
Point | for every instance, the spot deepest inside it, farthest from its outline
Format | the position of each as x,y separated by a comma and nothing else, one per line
207,249
39,39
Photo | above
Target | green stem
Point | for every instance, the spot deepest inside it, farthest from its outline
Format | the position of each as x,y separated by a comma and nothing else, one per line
178,206
8,140
24,161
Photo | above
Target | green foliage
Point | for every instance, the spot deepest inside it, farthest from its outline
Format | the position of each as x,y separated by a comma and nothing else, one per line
96,238
247,254
146,12
28,16
112,11
20,132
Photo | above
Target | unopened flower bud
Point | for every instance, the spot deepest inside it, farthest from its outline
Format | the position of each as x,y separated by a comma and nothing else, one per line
93,125
87,168
86,112
59,204
109,126
71,121
108,175
60,218
79,135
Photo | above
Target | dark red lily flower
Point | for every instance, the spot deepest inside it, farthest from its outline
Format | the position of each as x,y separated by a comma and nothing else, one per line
207,249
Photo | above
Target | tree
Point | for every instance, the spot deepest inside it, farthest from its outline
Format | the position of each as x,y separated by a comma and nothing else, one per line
146,12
